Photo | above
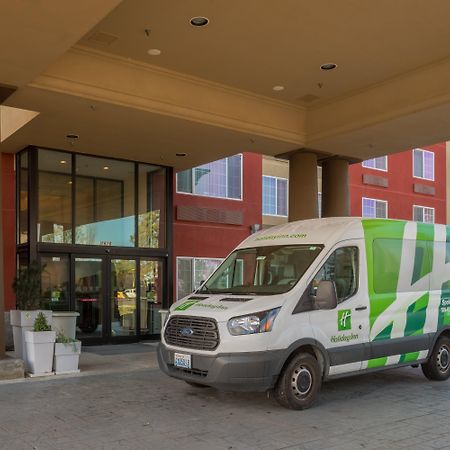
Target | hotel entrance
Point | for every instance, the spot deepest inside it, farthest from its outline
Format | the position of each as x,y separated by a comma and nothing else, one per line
98,228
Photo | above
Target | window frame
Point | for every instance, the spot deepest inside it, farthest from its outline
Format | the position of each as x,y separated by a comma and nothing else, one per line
423,165
423,213
214,196
193,260
276,196
375,200
376,168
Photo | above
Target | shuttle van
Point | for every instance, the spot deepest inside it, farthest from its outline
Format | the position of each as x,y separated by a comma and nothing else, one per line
309,301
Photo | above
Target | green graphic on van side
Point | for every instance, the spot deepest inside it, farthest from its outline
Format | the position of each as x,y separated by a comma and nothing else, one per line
377,362
186,305
409,357
344,319
408,279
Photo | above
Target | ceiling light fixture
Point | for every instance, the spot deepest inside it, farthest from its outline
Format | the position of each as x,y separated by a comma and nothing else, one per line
72,137
154,52
199,21
105,167
181,154
278,88
328,66
63,161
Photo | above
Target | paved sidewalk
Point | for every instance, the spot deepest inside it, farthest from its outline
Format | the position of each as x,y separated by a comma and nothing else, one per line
122,401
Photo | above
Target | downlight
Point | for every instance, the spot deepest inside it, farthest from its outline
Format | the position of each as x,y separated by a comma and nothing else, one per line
328,66
199,21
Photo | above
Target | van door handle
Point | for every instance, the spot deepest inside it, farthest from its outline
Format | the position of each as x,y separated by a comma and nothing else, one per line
360,308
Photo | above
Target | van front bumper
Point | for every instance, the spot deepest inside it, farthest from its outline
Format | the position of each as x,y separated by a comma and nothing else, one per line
250,371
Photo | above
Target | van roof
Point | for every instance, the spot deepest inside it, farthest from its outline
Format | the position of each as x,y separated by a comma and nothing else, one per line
314,231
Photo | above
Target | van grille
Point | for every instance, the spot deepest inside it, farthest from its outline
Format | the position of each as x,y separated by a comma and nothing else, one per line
200,333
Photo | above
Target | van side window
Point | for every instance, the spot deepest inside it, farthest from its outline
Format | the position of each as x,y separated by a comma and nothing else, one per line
342,268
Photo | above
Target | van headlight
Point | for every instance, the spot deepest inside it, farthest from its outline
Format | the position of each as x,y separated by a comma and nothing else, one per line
260,322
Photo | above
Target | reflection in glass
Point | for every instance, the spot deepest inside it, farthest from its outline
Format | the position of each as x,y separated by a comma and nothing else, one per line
152,201
23,199
55,282
151,283
104,202
55,197
123,297
88,296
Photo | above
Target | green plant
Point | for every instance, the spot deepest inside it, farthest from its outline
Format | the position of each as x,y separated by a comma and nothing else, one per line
41,324
27,287
61,338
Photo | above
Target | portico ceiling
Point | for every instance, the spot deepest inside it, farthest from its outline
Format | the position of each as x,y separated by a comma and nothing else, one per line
85,68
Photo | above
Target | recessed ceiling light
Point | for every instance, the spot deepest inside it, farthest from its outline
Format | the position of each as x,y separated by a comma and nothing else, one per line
278,88
63,161
181,154
72,136
154,52
328,66
199,21
105,167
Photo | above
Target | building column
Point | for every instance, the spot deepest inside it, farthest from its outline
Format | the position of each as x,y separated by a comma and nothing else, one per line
303,186
2,287
335,191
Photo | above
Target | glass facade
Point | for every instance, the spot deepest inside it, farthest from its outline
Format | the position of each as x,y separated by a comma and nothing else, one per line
98,227
222,178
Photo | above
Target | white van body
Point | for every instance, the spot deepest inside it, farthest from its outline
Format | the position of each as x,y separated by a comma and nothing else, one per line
392,304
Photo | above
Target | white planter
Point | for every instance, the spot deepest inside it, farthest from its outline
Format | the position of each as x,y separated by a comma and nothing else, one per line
40,347
22,321
65,322
67,357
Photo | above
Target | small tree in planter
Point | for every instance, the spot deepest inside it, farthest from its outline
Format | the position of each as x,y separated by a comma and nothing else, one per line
27,287
67,354
40,344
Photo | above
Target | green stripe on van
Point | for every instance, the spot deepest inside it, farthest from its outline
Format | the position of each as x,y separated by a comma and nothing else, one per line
409,357
423,259
377,362
416,315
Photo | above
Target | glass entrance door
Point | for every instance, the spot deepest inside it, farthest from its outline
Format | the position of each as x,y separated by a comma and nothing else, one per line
123,311
89,296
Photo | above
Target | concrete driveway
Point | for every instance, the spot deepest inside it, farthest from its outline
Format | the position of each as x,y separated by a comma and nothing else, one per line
122,401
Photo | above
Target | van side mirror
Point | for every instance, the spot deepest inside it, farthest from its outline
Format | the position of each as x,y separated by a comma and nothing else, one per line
326,296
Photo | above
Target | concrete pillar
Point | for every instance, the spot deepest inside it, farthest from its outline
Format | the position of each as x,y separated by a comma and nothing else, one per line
2,287
302,186
335,191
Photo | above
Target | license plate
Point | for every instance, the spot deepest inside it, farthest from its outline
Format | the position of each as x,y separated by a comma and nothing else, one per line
182,360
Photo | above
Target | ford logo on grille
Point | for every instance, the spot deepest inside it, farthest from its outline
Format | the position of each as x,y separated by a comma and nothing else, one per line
186,332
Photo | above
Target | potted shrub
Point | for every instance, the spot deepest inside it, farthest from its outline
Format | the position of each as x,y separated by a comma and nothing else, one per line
40,344
27,287
67,354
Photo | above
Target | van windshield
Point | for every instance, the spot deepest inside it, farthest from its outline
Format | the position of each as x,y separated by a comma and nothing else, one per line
261,270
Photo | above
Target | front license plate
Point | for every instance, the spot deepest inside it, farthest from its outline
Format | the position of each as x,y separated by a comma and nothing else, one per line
182,360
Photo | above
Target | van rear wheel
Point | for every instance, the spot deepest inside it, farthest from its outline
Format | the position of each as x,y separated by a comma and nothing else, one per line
438,365
299,383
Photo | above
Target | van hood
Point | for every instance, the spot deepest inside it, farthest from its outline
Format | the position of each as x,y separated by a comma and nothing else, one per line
223,307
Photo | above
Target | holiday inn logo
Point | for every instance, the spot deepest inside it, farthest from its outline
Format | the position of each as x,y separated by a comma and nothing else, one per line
344,319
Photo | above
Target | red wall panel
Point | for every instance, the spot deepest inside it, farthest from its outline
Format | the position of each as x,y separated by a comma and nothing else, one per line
400,192
204,239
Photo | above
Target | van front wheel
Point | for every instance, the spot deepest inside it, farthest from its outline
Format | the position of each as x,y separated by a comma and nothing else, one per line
438,365
299,383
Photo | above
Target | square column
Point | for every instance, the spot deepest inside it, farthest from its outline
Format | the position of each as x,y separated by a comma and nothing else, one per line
2,287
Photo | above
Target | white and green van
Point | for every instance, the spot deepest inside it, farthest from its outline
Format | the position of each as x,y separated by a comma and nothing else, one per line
314,300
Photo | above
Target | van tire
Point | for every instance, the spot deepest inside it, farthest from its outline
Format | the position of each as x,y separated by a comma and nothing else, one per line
294,392
437,367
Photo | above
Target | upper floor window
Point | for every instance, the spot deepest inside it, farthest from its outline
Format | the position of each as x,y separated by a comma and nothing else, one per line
372,207
423,214
379,163
222,178
423,164
275,196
